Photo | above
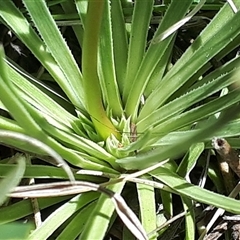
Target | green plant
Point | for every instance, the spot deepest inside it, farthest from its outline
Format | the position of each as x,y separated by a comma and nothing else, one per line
130,107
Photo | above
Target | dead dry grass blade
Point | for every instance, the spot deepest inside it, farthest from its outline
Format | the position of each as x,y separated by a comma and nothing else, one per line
219,212
233,6
167,223
68,188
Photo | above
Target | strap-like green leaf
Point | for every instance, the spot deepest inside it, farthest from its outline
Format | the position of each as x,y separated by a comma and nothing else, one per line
45,24
12,178
200,54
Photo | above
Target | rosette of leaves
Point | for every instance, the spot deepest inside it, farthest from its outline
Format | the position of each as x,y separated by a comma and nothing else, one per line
129,106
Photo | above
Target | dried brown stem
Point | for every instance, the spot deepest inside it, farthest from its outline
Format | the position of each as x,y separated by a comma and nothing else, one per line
227,154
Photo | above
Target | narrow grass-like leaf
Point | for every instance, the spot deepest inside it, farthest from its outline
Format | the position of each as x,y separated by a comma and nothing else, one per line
228,49
141,17
66,188
216,177
11,138
22,28
167,196
76,225
201,55
61,215
13,102
12,178
198,113
82,7
184,169
16,230
177,25
24,208
120,42
79,143
190,159
11,125
167,203
194,192
147,204
69,7
178,146
39,99
229,130
159,71
100,216
221,18
189,218
72,140
91,82
129,218
208,86
153,56
221,71
41,171
65,152
107,74
54,41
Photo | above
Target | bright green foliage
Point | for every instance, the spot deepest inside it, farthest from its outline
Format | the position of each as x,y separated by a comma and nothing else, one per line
129,105
12,178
